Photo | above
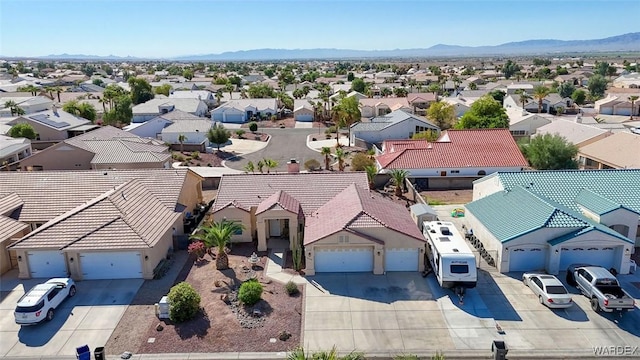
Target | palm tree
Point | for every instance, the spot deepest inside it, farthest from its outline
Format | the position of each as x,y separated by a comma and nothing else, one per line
11,105
539,93
340,155
219,96
631,98
18,110
399,176
229,88
326,152
181,139
372,171
260,166
218,234
524,98
270,164
249,167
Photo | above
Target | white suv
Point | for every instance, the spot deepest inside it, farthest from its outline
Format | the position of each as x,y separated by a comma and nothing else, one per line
39,303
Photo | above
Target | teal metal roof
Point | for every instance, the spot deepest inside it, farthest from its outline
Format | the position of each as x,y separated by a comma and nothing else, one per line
574,234
511,214
615,186
596,203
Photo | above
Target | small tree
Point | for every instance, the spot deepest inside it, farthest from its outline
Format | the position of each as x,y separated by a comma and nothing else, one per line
550,152
360,161
218,135
184,302
249,167
326,152
253,126
579,96
312,165
250,292
181,139
399,176
22,130
240,133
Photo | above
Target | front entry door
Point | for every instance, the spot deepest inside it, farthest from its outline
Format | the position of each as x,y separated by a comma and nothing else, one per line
274,228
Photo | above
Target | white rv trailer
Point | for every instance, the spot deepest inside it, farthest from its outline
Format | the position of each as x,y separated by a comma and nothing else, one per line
450,257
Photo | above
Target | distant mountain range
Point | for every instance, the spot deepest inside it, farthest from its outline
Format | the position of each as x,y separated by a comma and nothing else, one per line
621,43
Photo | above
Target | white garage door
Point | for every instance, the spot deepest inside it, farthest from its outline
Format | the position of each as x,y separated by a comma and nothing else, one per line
401,259
602,256
527,259
47,264
111,265
344,260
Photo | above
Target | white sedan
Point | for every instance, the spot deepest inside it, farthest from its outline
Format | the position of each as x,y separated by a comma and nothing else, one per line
549,290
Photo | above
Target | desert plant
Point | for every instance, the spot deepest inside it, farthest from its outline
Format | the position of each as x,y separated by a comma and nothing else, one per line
195,155
181,139
340,155
360,161
331,129
253,126
312,165
438,356
326,152
198,248
372,171
184,302
399,176
218,234
240,133
249,167
250,292
296,253
270,164
291,288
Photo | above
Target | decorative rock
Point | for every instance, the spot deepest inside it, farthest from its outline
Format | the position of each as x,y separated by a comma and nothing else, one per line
257,313
284,335
159,327
225,298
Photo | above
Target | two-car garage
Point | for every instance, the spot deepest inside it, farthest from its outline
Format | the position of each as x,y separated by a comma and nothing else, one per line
361,259
93,265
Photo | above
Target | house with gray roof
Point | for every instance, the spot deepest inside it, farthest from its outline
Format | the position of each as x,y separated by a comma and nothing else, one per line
93,224
159,106
13,150
194,131
575,132
55,125
548,220
394,125
242,110
105,148
345,226
30,104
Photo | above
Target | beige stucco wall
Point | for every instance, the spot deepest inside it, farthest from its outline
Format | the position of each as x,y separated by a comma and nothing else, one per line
623,217
59,157
191,193
262,226
486,186
44,132
239,215
6,255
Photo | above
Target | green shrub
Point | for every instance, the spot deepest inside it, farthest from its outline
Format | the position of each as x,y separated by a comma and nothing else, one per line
240,133
253,126
361,161
195,155
330,129
184,302
312,165
250,292
291,288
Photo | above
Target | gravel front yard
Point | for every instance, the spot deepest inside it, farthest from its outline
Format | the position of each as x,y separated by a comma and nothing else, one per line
218,327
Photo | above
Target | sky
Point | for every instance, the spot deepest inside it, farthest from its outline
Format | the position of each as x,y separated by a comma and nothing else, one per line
167,28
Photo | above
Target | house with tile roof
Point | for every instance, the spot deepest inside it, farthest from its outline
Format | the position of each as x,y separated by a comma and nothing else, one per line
455,160
55,125
105,148
13,150
372,107
303,110
194,131
547,220
341,224
617,104
618,151
397,124
242,110
30,104
93,224
523,123
421,101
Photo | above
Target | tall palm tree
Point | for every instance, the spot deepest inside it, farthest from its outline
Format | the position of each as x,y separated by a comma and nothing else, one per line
218,234
181,139
631,98
340,155
524,98
399,176
11,105
326,152
539,93
372,171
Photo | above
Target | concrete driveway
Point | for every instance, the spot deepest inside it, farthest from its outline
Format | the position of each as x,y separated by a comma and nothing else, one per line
87,318
400,313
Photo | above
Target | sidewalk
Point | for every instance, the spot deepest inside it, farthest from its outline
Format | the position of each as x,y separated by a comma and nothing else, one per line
330,143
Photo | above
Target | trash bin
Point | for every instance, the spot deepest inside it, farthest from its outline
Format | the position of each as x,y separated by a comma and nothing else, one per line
98,353
499,350
83,353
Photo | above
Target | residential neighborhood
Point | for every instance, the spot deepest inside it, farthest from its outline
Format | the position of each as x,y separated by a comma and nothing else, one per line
299,206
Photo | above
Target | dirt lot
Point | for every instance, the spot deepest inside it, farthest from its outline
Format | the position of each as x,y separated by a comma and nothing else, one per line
217,328
448,197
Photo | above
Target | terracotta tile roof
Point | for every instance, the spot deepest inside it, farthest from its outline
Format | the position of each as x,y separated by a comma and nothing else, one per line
356,208
47,194
311,190
10,202
128,217
389,146
459,149
284,200
10,227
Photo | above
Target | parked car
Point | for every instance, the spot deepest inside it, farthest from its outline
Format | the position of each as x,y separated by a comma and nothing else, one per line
549,290
601,287
39,303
